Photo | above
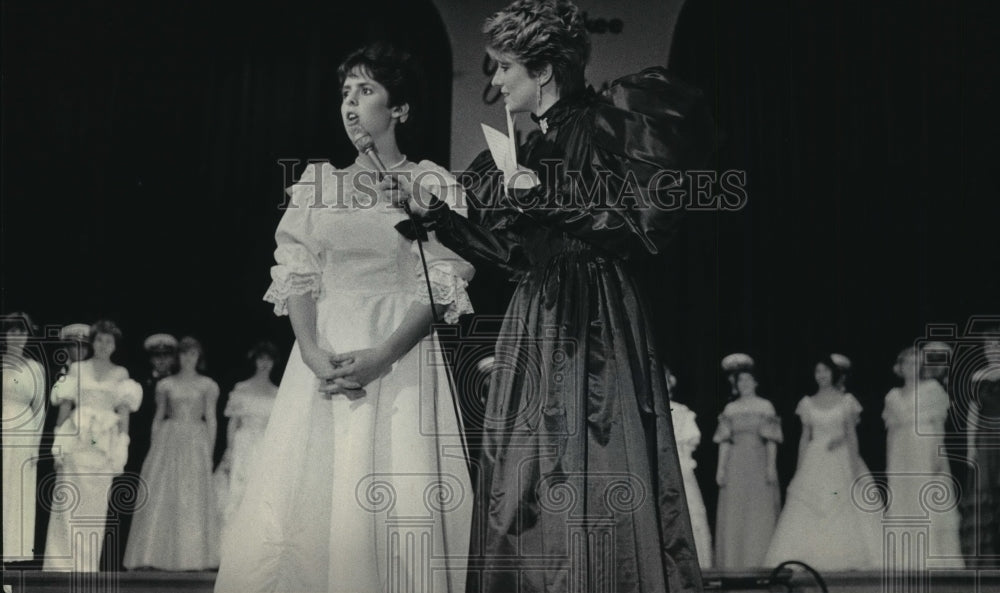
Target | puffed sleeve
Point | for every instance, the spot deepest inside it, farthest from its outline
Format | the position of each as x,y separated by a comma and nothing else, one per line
129,394
770,426
638,140
854,408
802,411
447,273
297,257
67,388
932,403
692,434
724,431
491,234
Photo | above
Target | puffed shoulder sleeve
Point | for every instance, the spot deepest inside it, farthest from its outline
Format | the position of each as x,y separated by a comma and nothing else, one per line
447,272
692,434
489,234
129,394
802,410
645,132
297,268
770,429
854,408
67,388
724,431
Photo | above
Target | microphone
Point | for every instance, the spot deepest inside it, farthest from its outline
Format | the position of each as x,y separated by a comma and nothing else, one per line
365,144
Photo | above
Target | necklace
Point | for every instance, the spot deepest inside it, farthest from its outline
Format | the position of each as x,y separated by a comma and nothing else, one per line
364,164
401,161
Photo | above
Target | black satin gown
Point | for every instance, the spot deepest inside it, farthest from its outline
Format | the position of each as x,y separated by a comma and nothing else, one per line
580,484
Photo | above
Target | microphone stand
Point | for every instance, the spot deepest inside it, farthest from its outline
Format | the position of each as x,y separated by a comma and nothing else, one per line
366,145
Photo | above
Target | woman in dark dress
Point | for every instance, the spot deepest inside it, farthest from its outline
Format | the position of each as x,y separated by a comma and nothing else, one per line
580,484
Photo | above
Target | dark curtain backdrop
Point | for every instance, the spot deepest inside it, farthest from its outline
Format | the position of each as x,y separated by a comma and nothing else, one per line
141,149
141,145
140,177
867,132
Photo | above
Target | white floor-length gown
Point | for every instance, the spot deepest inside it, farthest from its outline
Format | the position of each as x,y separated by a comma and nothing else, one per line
371,494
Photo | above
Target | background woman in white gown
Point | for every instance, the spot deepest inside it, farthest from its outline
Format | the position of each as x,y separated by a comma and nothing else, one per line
829,520
360,490
688,437
177,527
95,398
921,487
23,420
248,409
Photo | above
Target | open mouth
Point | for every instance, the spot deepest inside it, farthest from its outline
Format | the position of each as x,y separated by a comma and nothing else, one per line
351,118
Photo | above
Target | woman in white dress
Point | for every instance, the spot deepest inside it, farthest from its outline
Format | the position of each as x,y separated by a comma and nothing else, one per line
362,483
23,420
95,398
688,437
832,513
176,528
748,436
248,409
921,487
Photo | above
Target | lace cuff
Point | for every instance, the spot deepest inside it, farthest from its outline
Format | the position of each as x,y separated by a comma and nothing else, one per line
289,279
447,288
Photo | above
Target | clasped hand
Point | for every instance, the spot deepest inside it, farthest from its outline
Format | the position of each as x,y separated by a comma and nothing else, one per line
349,372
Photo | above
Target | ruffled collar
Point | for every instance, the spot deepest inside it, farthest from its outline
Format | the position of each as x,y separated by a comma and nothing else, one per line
562,109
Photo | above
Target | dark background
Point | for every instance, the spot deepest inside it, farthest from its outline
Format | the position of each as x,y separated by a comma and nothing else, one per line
141,179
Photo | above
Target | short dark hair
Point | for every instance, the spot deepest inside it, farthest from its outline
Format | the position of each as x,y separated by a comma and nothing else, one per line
543,32
106,326
836,373
263,347
387,65
18,321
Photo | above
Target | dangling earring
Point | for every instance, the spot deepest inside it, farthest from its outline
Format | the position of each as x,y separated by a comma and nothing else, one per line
538,95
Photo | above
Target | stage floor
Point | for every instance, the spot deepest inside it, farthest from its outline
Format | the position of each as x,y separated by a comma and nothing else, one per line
951,581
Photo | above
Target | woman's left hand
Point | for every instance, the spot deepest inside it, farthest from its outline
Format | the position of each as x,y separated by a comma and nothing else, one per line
361,366
402,192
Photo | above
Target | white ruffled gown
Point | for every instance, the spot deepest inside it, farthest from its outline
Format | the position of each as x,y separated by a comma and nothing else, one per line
90,451
923,504
251,409
373,494
688,436
23,421
832,515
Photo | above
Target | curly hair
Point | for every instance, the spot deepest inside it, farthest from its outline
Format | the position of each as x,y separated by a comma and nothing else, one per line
543,32
106,326
836,372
